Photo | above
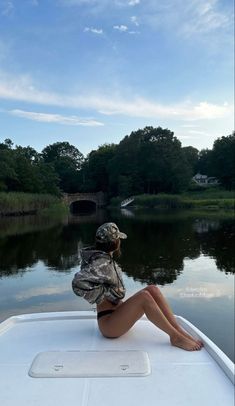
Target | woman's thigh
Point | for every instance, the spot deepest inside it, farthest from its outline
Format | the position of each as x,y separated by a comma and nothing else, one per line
125,316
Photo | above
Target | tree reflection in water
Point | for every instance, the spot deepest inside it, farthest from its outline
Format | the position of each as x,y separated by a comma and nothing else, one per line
153,253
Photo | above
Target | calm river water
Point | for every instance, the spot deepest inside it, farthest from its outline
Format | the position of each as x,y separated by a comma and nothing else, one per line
190,256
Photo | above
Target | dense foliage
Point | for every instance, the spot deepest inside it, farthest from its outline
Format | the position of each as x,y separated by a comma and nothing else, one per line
148,161
220,161
24,170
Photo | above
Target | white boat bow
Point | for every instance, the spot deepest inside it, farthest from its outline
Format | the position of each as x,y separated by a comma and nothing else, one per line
61,359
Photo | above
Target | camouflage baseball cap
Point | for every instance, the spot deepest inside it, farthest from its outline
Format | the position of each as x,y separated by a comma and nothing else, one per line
109,232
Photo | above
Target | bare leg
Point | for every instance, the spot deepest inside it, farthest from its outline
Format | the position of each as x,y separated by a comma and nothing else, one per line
157,295
125,316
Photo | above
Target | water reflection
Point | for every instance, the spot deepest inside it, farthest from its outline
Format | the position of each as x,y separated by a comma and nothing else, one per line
153,253
181,252
158,245
219,244
56,247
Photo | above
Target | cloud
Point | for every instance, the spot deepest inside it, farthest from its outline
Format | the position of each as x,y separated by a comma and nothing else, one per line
133,2
189,125
187,18
194,132
133,32
41,291
134,20
55,118
22,89
102,3
185,111
6,8
209,111
98,31
204,17
121,28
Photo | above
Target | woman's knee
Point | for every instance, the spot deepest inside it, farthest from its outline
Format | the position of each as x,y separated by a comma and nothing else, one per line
145,296
153,290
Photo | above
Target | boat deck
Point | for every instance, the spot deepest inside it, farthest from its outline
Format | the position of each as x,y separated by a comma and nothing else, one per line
176,377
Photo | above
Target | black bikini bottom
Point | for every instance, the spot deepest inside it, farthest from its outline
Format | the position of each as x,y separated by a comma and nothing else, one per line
104,313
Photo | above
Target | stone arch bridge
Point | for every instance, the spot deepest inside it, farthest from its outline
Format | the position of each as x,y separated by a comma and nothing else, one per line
97,198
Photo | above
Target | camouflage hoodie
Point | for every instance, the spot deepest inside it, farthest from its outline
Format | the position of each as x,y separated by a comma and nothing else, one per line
100,278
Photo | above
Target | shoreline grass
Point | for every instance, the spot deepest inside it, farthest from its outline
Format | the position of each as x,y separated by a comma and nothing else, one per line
214,200
163,201
18,203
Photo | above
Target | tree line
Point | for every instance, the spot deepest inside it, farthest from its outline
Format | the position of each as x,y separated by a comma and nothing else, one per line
150,160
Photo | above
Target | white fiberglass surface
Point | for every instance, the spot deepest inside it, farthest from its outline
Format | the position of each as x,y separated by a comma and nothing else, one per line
177,377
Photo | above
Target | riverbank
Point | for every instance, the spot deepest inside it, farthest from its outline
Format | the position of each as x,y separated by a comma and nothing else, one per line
207,200
17,203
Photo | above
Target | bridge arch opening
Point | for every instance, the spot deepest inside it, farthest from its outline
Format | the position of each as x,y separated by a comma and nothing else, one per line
82,207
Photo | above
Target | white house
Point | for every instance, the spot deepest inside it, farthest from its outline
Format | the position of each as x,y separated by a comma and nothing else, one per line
204,180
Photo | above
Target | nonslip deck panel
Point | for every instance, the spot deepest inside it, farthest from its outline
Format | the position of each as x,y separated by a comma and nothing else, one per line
80,364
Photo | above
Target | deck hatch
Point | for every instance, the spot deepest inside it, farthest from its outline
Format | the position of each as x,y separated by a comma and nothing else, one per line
80,364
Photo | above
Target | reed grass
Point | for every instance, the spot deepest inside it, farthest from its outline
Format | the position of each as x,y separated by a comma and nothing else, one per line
13,203
167,201
210,193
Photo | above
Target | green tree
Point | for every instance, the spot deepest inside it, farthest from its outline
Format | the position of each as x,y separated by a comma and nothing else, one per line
8,174
191,155
204,165
48,179
58,150
95,171
29,153
223,160
66,161
149,160
22,169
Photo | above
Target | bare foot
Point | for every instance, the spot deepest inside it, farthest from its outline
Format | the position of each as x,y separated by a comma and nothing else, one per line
178,340
183,332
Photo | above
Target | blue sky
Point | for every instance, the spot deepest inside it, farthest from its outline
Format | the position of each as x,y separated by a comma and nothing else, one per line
91,71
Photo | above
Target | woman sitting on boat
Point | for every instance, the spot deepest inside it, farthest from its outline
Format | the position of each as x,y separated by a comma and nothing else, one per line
100,281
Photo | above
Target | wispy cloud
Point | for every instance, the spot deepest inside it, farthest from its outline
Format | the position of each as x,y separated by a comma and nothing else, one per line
187,18
6,8
195,132
133,32
98,31
104,2
99,4
22,89
122,28
140,107
55,118
133,2
134,20
41,291
189,126
204,17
